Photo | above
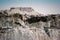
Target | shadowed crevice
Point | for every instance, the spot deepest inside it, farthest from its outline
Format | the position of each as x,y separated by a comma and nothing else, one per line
36,19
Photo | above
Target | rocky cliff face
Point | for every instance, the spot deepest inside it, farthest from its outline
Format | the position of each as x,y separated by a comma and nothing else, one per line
23,23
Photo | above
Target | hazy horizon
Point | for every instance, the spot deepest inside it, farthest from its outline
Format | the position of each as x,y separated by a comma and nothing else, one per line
41,6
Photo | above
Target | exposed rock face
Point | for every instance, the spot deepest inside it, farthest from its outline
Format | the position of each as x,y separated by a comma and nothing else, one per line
23,23
28,9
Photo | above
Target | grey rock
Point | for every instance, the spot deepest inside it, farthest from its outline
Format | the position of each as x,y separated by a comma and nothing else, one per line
24,23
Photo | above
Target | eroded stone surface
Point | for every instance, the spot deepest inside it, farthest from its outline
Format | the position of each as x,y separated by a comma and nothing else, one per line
23,23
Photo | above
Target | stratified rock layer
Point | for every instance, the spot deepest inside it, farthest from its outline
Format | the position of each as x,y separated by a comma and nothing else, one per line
23,23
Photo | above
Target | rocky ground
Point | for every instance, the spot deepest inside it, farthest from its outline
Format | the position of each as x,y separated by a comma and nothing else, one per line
24,23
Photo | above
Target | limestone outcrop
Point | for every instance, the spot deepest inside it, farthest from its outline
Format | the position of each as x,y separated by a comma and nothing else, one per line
24,23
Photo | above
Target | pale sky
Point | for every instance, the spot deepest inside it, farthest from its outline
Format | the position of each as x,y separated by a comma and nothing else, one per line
41,6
